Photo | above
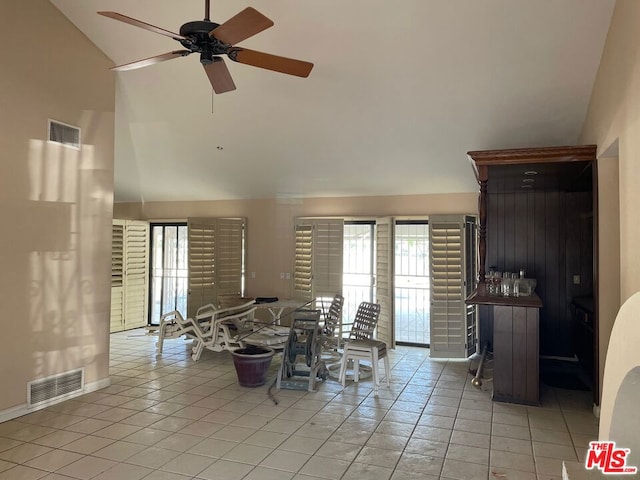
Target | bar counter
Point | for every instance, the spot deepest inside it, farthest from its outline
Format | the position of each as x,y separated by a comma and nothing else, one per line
516,321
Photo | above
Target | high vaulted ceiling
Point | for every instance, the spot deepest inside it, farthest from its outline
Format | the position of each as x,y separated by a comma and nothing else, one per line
400,91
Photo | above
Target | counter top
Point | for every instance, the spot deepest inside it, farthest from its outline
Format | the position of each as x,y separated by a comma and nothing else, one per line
480,297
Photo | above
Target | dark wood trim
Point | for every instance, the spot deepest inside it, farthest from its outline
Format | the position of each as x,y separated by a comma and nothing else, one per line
479,297
596,302
516,156
482,159
483,177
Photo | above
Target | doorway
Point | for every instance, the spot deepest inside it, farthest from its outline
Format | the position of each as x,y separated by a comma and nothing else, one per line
412,283
169,270
358,257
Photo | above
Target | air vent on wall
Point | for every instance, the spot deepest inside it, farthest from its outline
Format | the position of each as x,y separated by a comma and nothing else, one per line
55,387
64,134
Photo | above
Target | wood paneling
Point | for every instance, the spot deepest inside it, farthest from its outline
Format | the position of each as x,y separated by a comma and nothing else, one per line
515,354
549,234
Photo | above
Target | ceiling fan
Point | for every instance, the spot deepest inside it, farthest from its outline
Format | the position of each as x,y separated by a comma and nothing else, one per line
211,40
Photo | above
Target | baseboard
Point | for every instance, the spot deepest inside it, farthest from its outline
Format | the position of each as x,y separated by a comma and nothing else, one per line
20,410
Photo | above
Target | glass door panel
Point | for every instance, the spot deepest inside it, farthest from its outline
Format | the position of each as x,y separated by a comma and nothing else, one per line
412,282
169,273
357,280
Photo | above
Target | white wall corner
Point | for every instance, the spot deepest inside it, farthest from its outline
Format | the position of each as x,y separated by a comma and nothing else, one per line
20,410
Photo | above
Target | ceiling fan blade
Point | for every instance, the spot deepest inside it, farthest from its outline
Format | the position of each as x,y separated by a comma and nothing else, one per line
151,61
289,66
219,76
141,24
241,26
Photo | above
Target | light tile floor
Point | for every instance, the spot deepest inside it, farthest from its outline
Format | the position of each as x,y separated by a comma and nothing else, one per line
170,418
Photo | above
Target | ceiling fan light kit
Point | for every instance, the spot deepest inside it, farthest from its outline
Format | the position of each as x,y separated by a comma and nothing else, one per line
211,40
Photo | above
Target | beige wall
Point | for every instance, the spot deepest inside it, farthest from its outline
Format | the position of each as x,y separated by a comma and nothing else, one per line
270,224
624,356
55,203
608,254
614,115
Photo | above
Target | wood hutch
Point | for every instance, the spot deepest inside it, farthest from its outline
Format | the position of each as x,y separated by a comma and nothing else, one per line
524,184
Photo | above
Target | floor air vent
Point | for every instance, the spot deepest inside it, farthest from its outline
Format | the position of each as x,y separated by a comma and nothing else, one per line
55,387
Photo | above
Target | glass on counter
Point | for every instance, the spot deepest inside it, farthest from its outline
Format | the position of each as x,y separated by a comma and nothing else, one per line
493,281
509,284
508,279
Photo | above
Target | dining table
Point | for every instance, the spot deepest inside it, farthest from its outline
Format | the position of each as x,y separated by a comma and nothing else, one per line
277,308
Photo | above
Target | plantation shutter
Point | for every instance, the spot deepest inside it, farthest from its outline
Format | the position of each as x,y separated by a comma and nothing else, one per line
318,258
216,249
117,276
448,310
230,235
303,262
471,274
202,263
327,257
384,279
136,273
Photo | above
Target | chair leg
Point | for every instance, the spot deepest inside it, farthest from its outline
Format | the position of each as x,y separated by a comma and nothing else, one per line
161,333
374,371
356,369
387,370
197,351
343,369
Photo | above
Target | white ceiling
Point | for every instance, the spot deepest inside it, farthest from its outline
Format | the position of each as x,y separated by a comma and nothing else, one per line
400,91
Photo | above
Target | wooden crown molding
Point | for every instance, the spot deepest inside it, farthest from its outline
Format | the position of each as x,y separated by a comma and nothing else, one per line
515,156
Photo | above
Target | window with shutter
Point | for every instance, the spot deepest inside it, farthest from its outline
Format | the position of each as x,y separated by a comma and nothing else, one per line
117,276
303,262
384,280
117,253
448,310
202,263
230,241
136,273
129,274
216,260
471,275
327,257
318,258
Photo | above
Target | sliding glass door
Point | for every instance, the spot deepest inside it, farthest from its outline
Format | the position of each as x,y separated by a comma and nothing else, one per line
169,270
412,283
357,280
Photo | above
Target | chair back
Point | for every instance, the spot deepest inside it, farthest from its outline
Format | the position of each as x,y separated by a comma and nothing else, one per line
365,321
333,316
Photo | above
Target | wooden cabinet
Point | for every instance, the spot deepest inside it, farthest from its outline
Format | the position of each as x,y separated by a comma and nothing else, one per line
516,331
515,355
536,209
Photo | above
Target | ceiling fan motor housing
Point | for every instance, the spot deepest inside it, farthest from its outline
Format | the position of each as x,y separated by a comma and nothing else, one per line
198,40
